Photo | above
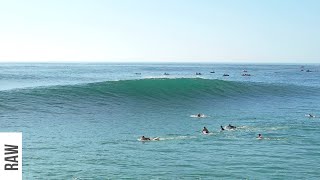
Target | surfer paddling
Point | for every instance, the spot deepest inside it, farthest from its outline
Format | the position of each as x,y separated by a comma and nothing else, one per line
145,138
310,115
231,127
149,139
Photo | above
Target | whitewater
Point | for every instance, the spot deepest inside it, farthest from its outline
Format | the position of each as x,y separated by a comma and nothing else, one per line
84,121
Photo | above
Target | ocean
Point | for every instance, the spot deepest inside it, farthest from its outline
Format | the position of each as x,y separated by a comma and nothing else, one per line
84,121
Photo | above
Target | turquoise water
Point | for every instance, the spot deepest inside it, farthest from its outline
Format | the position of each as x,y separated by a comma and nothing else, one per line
83,121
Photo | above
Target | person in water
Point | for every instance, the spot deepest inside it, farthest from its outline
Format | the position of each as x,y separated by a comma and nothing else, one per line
222,129
310,115
231,127
145,138
199,115
205,130
259,136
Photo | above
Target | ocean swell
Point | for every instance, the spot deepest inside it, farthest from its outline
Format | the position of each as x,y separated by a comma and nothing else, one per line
153,89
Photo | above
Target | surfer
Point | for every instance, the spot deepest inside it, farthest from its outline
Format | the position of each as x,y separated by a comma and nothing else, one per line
259,136
222,129
199,115
145,138
231,127
149,139
310,115
205,130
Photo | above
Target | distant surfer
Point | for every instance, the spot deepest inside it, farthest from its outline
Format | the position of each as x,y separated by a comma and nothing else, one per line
149,139
259,136
310,115
231,127
222,129
205,130
199,115
145,138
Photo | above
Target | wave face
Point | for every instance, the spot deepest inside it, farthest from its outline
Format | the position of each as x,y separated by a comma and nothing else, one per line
159,90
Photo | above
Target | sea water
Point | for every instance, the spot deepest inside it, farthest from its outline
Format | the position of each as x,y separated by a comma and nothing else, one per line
84,121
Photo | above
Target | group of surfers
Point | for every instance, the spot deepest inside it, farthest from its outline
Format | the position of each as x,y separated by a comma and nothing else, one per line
230,127
204,131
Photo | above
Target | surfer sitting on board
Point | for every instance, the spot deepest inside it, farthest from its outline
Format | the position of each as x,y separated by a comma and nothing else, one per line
222,129
205,130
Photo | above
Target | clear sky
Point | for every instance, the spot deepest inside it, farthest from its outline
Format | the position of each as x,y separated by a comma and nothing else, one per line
286,31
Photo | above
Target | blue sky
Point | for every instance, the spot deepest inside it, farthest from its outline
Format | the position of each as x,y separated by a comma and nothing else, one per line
284,31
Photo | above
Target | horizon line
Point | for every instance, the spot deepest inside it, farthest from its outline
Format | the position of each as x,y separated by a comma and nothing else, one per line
143,62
